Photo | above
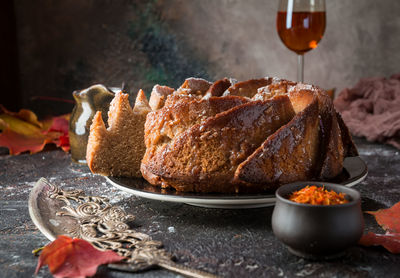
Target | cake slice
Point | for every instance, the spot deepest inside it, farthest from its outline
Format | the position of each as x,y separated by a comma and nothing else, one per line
289,155
118,149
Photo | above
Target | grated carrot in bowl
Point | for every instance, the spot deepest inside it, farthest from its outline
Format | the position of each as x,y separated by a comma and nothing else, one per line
314,195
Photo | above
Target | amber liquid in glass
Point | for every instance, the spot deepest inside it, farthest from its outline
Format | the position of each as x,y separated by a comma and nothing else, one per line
303,32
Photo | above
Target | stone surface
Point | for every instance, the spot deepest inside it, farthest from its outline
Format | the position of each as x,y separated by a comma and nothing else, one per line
230,243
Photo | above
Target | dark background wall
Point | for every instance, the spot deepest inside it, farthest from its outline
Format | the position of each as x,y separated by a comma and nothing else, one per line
61,46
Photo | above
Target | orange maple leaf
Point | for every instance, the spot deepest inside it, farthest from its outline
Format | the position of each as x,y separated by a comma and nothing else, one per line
22,131
74,258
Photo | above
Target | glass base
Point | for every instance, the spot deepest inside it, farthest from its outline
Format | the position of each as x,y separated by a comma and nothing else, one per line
79,161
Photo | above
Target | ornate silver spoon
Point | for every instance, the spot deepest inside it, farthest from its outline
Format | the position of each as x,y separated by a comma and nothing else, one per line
57,212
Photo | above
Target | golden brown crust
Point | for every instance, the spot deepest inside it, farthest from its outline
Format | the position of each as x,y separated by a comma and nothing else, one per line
289,155
210,155
204,158
158,96
169,122
331,149
348,144
194,86
218,88
248,88
335,139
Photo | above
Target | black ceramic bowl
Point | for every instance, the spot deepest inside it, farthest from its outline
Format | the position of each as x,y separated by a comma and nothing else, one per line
317,231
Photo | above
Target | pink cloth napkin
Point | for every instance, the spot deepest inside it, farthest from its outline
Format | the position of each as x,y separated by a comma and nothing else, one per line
372,109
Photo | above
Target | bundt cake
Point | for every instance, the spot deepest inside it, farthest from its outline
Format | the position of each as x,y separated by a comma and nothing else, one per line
226,136
250,136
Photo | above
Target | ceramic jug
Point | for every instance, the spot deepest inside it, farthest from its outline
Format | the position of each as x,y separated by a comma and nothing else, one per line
88,102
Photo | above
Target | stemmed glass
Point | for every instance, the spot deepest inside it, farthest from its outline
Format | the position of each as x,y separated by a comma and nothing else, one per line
301,25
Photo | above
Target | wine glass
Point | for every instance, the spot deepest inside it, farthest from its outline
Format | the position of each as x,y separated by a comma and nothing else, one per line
301,25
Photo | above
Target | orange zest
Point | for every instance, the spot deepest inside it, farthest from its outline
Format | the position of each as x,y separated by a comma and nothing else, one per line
314,195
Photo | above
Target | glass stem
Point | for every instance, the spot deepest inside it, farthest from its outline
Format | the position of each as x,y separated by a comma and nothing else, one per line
300,68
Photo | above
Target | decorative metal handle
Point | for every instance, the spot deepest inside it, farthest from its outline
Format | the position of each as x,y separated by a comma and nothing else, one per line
105,227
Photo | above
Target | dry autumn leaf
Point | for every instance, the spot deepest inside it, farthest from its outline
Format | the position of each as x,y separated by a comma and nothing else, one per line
390,241
59,128
389,220
74,258
22,131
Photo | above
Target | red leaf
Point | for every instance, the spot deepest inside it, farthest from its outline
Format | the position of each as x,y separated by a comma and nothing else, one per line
61,124
23,132
74,258
390,241
389,219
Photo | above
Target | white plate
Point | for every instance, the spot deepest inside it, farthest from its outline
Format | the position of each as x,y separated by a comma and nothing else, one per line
354,172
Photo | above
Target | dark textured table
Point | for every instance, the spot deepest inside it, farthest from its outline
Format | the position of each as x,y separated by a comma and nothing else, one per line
230,243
